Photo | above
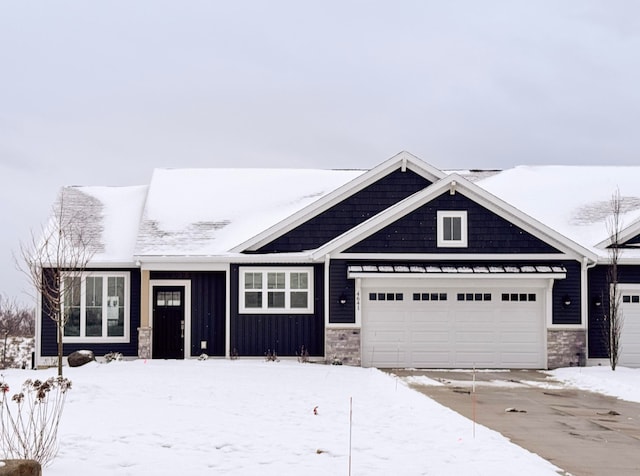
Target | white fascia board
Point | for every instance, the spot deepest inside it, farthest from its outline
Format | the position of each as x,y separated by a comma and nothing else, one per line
111,264
625,234
217,263
473,192
404,160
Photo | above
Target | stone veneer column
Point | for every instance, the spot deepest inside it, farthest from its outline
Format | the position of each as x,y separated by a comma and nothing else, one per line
566,348
144,342
343,345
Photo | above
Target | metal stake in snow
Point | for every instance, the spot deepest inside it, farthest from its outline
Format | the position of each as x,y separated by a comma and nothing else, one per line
350,424
473,400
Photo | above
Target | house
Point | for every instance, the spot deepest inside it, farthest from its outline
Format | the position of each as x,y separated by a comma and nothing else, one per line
403,265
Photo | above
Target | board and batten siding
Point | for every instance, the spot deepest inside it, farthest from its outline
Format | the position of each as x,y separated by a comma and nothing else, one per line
416,232
352,211
48,336
598,292
284,334
208,305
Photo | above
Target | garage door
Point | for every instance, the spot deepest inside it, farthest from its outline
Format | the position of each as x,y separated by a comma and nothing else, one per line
494,325
630,336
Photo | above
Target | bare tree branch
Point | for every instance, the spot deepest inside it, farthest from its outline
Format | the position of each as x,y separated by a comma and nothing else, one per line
55,261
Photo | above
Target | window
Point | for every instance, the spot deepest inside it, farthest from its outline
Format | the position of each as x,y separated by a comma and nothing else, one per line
429,296
474,296
96,308
281,290
386,297
519,297
452,229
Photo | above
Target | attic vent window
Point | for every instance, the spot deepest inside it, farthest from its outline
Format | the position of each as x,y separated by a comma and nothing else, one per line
452,229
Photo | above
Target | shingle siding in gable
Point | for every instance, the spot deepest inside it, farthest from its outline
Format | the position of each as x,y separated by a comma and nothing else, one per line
634,241
417,232
598,292
350,212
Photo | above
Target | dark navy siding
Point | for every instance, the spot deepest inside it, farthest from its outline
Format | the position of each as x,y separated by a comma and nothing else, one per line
285,334
563,287
598,291
571,288
49,347
350,212
417,232
633,241
208,290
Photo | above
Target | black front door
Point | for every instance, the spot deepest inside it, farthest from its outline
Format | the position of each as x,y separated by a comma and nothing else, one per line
168,322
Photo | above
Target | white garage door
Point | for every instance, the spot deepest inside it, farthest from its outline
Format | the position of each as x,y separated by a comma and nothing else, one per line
630,336
482,325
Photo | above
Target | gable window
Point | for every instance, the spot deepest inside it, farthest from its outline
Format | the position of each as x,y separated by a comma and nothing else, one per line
96,307
452,229
276,290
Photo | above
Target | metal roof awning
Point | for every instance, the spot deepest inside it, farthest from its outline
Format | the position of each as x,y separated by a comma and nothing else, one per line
489,270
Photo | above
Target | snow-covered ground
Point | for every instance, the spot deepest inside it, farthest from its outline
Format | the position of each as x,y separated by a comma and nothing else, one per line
257,418
623,383
253,417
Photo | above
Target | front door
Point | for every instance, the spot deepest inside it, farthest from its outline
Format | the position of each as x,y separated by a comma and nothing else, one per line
168,322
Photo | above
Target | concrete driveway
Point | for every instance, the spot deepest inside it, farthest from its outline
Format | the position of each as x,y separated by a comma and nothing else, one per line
583,433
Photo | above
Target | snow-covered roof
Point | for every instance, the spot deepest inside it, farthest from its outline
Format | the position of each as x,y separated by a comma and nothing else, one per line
108,217
206,212
573,200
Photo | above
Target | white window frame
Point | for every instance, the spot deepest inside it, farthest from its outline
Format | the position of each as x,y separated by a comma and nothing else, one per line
287,309
463,241
105,338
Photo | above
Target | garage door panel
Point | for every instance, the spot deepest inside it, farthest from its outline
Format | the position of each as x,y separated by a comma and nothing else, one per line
630,335
465,328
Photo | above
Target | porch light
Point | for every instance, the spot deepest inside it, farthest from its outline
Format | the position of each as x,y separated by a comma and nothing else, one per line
566,301
597,301
342,300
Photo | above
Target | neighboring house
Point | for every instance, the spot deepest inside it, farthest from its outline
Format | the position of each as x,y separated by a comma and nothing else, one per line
403,265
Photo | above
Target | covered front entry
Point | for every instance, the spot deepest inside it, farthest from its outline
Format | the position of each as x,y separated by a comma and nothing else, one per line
168,322
453,323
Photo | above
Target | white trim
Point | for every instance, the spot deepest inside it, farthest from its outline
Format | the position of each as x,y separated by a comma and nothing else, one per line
125,338
441,241
398,161
186,283
327,298
628,232
38,336
287,309
227,314
471,191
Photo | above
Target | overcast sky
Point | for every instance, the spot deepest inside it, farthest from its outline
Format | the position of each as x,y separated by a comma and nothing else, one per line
100,93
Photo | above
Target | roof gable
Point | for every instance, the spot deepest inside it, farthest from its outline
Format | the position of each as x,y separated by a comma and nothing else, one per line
453,184
206,212
404,161
488,232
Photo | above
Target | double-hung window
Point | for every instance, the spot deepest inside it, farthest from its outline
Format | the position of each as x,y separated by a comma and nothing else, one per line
452,229
95,307
276,290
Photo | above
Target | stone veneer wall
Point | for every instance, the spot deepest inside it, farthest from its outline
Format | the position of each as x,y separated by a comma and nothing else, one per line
343,345
144,342
566,348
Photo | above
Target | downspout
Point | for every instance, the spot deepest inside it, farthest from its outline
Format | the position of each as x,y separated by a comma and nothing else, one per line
586,266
